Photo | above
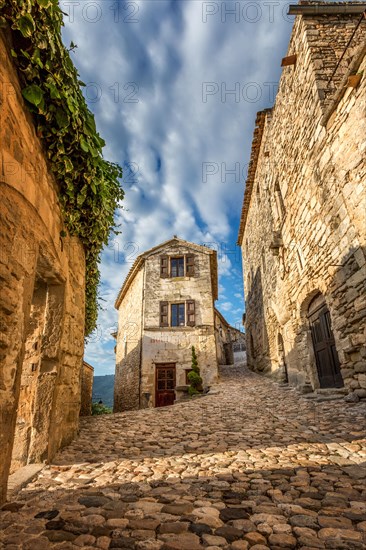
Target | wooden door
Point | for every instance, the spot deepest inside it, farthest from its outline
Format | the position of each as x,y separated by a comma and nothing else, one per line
326,355
165,384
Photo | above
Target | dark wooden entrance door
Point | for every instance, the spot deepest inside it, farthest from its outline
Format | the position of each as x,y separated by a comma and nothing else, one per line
326,355
165,384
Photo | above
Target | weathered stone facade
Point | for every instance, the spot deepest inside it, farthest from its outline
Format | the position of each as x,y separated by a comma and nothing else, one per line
303,221
42,295
86,391
146,339
224,345
230,342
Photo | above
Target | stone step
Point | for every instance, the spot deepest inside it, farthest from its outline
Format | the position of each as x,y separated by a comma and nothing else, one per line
335,397
20,478
319,398
327,391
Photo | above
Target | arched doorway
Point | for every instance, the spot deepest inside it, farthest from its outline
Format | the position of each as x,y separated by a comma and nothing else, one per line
326,355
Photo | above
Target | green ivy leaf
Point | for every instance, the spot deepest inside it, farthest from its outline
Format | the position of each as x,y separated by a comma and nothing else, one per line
26,25
61,118
33,94
84,144
54,93
68,164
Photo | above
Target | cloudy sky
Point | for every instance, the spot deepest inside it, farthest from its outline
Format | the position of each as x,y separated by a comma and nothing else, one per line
175,86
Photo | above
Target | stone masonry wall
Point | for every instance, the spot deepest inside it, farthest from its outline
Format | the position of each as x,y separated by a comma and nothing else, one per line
43,348
128,348
320,172
86,392
224,349
173,344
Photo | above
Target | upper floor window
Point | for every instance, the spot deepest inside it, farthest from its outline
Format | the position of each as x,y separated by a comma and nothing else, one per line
177,266
178,315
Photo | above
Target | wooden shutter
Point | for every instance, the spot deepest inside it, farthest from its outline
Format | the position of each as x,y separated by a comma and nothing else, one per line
191,313
164,266
190,265
164,314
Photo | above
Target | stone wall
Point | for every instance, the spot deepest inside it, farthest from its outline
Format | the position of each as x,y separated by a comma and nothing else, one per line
42,295
128,348
86,392
304,229
223,332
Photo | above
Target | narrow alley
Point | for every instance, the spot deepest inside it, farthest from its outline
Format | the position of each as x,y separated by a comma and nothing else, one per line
251,465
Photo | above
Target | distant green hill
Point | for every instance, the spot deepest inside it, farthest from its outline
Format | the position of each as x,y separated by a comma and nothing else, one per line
103,389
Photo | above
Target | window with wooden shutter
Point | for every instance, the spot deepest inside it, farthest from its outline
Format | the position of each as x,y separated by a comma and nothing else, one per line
177,318
164,266
191,313
190,265
164,314
177,266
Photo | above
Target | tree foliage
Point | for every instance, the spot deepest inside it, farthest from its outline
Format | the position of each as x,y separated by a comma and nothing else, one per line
194,376
100,408
89,189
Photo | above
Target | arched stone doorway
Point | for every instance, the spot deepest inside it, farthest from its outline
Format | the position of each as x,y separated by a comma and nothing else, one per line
326,356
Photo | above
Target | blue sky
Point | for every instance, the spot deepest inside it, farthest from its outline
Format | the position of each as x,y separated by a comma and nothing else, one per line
175,87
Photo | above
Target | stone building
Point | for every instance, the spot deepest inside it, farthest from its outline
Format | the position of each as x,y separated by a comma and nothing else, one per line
302,229
166,306
224,344
86,391
230,342
42,294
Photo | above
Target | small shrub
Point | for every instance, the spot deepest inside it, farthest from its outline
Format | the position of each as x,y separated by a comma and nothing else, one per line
100,408
194,376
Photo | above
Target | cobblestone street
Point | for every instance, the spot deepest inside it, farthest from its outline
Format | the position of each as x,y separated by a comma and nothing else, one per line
253,465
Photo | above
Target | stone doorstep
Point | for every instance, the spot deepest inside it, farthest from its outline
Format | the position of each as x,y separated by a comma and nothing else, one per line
22,477
328,391
321,398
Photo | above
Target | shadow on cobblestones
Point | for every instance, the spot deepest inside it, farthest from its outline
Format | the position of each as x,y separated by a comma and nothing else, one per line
252,466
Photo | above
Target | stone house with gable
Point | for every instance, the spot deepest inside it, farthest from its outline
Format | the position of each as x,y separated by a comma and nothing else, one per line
303,222
166,306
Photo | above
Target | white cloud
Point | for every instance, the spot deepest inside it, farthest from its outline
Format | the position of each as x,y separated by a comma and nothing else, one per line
225,306
164,60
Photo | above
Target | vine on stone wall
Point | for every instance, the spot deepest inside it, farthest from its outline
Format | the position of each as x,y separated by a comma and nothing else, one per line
89,186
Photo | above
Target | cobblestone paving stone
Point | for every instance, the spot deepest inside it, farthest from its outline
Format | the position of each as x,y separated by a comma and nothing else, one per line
254,465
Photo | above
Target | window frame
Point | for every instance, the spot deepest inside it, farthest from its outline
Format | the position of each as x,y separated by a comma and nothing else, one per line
179,305
177,258
187,308
187,268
